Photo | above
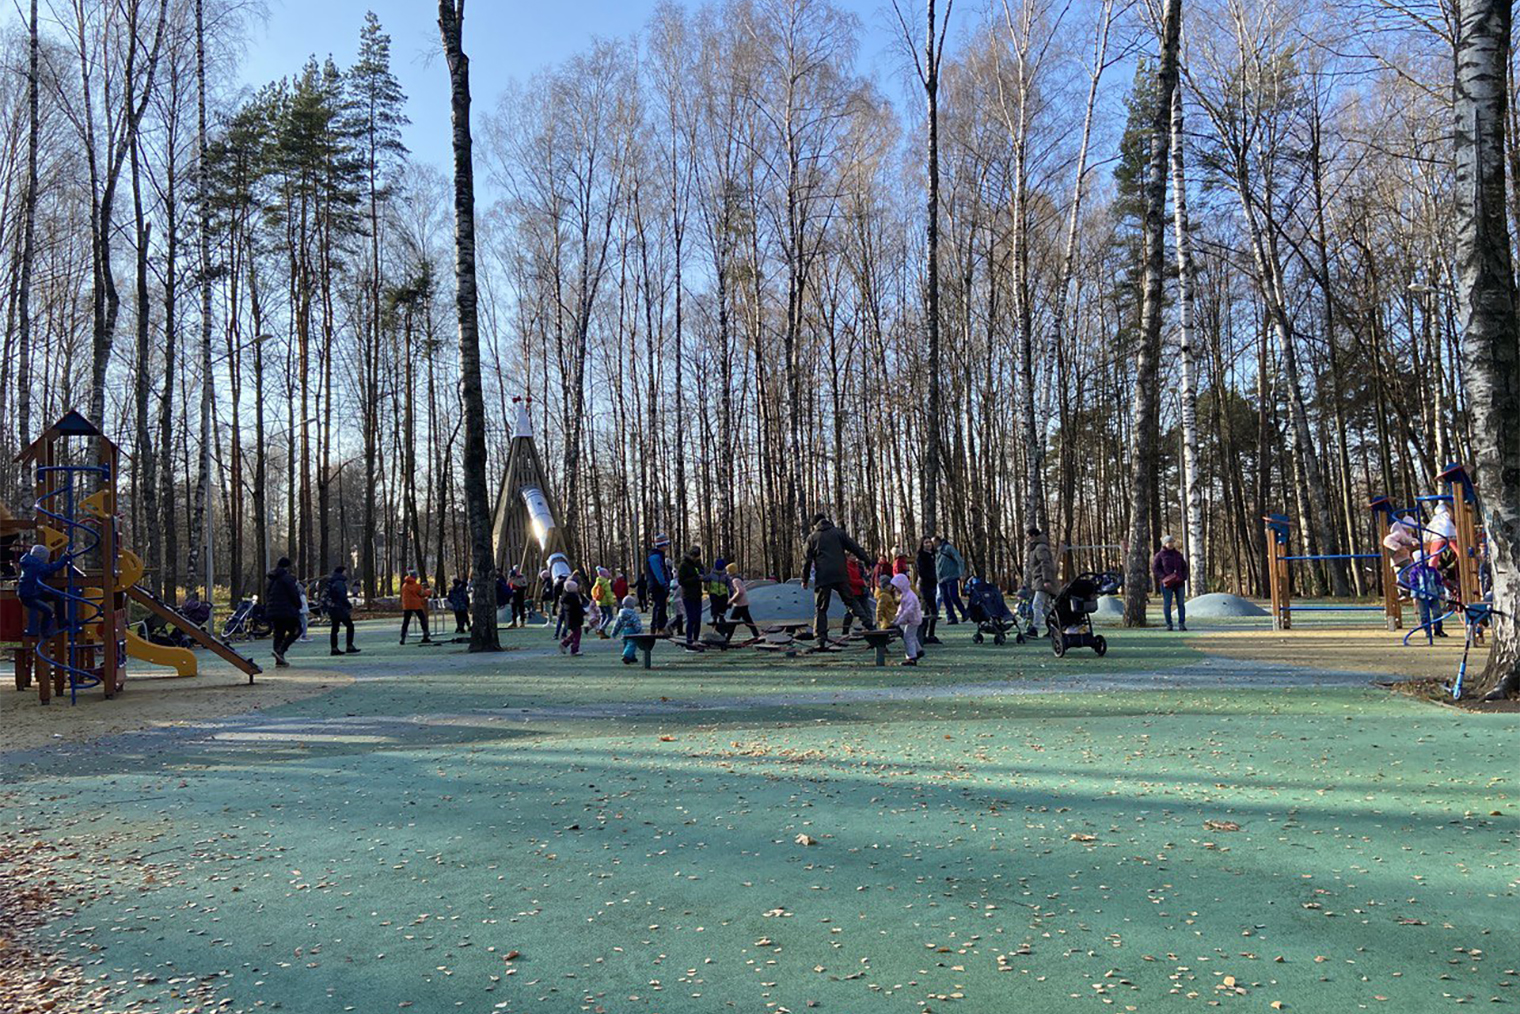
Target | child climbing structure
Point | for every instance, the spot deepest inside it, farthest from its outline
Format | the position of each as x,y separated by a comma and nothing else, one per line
1456,496
1451,545
86,578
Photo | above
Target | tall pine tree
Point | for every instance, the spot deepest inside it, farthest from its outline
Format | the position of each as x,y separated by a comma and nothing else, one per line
375,111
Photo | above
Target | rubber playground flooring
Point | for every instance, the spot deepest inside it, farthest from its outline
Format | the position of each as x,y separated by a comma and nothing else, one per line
1164,828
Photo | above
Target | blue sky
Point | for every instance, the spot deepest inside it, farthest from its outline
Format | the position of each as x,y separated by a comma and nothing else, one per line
505,39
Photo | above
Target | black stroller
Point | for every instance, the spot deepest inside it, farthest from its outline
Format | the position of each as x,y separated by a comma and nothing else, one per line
1070,617
247,621
986,608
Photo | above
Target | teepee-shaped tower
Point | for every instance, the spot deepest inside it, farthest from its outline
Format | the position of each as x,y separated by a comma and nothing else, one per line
526,531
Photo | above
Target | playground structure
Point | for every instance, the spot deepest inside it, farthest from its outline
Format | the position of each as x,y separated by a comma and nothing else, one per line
75,513
1280,581
1460,497
526,512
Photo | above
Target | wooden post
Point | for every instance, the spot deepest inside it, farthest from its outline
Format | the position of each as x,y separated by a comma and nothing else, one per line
46,675
112,627
1469,545
1393,611
1277,571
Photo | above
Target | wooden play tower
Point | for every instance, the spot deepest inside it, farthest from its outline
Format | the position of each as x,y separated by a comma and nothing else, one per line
76,469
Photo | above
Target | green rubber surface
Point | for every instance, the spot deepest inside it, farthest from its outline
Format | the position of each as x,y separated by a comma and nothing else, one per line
995,830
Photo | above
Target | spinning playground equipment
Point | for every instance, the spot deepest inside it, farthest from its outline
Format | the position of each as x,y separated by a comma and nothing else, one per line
526,511
1461,499
75,513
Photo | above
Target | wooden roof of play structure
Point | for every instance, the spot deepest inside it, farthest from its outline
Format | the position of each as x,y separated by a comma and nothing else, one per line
71,424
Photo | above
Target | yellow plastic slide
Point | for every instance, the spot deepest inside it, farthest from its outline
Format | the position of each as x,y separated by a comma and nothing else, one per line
181,659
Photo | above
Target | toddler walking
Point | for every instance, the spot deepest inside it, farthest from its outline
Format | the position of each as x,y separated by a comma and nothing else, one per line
910,613
628,622
572,611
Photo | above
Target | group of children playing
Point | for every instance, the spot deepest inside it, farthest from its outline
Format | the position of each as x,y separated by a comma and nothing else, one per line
1425,568
598,608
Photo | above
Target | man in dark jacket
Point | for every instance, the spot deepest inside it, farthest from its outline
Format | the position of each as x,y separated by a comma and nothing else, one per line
657,570
504,595
282,605
341,609
689,578
825,563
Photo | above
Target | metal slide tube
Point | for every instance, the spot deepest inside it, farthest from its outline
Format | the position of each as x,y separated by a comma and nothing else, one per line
541,518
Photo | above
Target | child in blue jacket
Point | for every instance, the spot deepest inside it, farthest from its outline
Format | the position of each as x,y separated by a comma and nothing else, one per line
628,622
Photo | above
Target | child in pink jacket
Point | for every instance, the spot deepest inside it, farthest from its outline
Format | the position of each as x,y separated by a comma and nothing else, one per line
910,613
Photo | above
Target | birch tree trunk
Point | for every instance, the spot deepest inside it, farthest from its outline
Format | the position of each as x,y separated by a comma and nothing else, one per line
934,41
1057,341
203,239
483,635
1490,335
1137,571
28,247
142,386
1192,520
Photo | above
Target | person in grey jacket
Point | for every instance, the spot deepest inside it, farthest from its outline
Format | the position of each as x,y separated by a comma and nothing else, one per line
949,568
1039,574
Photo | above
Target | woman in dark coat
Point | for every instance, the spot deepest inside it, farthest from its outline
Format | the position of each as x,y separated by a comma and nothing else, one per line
928,587
282,605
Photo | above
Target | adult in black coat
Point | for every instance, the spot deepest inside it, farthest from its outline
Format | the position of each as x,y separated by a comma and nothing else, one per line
282,604
827,547
928,587
341,609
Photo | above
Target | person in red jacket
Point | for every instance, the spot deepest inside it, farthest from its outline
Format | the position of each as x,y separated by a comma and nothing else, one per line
856,604
620,586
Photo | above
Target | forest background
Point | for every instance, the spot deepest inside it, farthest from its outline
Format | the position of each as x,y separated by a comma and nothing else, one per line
702,254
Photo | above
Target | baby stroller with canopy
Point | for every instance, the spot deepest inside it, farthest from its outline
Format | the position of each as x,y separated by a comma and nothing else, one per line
247,621
987,609
1070,617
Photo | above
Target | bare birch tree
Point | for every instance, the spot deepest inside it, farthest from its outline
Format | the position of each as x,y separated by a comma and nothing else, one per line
1490,330
1137,571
